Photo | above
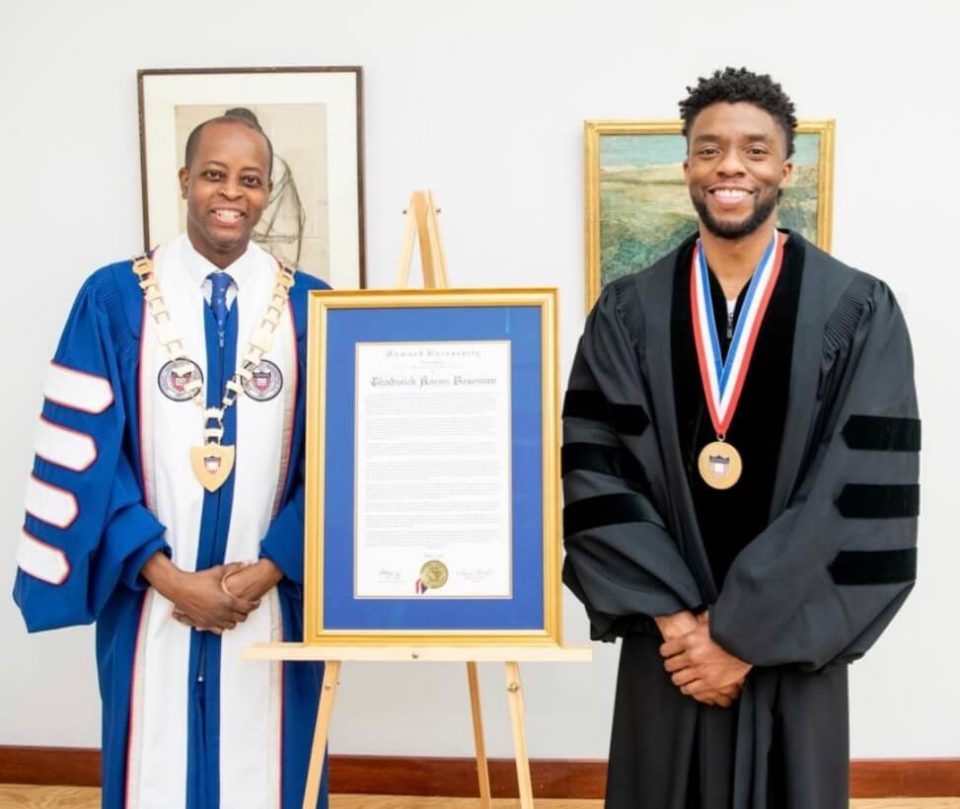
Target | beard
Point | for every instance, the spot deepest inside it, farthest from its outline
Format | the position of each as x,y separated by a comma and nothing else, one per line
735,230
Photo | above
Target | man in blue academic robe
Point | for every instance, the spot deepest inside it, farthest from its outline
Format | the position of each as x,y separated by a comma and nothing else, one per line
166,500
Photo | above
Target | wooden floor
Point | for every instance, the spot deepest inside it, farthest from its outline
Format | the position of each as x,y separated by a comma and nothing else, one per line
24,797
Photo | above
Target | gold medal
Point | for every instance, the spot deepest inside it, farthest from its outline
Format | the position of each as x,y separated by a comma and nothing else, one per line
212,464
434,574
720,465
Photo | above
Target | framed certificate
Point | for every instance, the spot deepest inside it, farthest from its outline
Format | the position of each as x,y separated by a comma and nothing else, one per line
432,475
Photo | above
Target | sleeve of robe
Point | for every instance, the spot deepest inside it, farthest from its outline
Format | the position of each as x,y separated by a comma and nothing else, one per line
621,562
86,530
826,577
283,543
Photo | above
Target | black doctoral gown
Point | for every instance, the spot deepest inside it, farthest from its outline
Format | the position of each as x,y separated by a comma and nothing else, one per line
811,591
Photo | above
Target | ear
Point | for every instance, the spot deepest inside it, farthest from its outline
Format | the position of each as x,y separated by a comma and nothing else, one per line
686,170
183,174
786,174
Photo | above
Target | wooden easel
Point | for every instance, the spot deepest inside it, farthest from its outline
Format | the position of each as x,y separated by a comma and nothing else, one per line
510,656
422,225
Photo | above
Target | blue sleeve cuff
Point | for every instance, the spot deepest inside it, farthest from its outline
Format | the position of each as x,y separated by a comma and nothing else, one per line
283,544
130,575
288,585
132,537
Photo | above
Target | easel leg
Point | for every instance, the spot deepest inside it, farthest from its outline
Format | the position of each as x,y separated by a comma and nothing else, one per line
433,230
328,693
483,773
515,698
406,253
427,258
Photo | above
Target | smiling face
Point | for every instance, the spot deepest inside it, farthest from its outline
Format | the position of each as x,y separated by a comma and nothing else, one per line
736,165
226,186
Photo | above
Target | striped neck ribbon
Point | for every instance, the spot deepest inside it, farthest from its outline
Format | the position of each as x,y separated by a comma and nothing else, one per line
723,379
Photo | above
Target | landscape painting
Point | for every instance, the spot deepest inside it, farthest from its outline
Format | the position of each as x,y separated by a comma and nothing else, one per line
638,208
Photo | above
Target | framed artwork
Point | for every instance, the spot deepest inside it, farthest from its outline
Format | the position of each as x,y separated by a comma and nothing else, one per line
432,474
637,206
314,119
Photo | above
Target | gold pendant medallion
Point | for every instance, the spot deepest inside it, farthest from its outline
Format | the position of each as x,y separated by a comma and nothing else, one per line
212,464
720,465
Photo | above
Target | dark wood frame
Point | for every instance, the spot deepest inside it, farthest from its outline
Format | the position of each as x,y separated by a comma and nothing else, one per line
355,69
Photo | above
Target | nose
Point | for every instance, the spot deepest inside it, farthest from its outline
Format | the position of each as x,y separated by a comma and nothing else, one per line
229,189
731,164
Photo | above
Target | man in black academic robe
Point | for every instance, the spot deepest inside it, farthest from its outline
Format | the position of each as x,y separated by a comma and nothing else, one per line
739,608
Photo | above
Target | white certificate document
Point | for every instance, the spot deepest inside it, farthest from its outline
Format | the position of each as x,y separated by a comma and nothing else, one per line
433,470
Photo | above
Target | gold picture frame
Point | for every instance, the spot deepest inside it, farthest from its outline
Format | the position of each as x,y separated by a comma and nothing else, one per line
634,188
336,611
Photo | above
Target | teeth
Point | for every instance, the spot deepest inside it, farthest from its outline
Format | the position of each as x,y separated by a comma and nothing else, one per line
226,214
730,193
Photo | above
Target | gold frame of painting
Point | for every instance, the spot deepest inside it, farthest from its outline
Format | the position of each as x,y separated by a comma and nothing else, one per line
321,303
594,130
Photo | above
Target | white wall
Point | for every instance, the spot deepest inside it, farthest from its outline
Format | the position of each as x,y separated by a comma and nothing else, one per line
483,103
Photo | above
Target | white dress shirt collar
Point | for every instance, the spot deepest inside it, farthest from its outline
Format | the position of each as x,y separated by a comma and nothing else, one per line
198,267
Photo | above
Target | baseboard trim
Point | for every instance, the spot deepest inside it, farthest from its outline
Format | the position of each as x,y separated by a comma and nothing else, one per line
905,778
50,766
457,777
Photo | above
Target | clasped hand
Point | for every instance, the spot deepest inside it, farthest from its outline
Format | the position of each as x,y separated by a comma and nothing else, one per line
215,599
698,665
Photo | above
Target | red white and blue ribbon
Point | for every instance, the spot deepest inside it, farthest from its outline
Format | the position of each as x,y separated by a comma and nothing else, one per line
723,379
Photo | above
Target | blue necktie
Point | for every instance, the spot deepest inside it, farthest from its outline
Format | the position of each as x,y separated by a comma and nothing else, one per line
218,299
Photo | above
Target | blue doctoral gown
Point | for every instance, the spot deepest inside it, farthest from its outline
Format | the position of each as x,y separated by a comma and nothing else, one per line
91,524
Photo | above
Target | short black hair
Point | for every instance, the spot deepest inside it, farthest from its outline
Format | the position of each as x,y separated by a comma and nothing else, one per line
235,115
732,85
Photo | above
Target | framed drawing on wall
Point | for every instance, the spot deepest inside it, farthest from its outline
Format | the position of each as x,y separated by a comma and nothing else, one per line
432,501
637,206
314,119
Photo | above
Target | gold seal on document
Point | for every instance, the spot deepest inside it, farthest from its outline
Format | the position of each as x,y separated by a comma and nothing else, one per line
434,574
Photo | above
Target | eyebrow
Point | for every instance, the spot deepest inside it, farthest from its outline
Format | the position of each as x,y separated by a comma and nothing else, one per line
221,164
756,136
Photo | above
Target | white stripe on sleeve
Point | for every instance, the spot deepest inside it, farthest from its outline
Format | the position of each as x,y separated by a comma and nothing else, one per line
51,503
40,560
68,448
78,390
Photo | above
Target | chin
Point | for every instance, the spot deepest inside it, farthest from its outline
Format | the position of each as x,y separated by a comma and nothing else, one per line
734,229
731,230
228,245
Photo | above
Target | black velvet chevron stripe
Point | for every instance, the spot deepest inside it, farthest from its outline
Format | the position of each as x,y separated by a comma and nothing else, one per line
871,501
593,405
874,567
607,509
882,433
603,459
